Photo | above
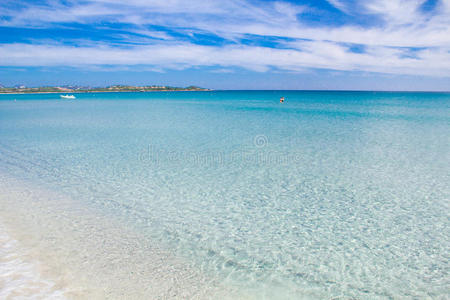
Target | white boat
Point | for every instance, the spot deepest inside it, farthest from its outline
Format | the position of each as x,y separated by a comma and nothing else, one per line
67,96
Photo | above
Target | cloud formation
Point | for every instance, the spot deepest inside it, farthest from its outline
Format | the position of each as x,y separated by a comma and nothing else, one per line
403,37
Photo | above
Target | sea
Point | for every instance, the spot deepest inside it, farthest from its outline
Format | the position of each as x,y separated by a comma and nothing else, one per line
225,194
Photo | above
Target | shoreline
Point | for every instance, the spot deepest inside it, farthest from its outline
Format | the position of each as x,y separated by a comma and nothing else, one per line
21,275
81,253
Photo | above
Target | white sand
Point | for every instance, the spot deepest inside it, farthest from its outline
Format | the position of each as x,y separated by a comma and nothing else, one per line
20,275
53,247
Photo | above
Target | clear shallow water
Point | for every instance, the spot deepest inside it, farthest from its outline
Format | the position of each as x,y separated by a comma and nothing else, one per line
19,277
331,194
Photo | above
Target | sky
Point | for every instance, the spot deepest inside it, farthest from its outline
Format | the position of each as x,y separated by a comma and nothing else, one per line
228,44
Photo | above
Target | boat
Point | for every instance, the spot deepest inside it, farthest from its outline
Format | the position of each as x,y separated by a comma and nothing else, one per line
281,99
67,96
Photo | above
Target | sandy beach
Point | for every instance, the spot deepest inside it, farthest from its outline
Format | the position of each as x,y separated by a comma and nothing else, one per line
52,248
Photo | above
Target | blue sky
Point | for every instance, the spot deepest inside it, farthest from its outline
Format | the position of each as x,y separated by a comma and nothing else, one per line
228,44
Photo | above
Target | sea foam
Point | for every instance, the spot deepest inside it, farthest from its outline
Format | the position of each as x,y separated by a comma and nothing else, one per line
20,276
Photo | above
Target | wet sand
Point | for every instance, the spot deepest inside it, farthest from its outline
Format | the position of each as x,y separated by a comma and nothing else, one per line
54,248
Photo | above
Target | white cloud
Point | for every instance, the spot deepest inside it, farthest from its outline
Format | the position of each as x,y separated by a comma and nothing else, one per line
177,56
386,45
338,4
396,12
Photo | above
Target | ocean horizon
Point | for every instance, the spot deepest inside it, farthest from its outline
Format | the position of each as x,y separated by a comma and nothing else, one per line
225,194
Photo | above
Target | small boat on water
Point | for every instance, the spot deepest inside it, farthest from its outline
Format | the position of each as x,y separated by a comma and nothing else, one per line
67,96
281,99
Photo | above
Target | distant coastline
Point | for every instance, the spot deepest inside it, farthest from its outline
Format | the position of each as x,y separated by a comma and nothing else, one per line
115,88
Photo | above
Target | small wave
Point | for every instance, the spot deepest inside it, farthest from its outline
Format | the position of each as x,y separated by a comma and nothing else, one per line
20,277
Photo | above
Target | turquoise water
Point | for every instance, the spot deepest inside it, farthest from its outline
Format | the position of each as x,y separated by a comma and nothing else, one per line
330,194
